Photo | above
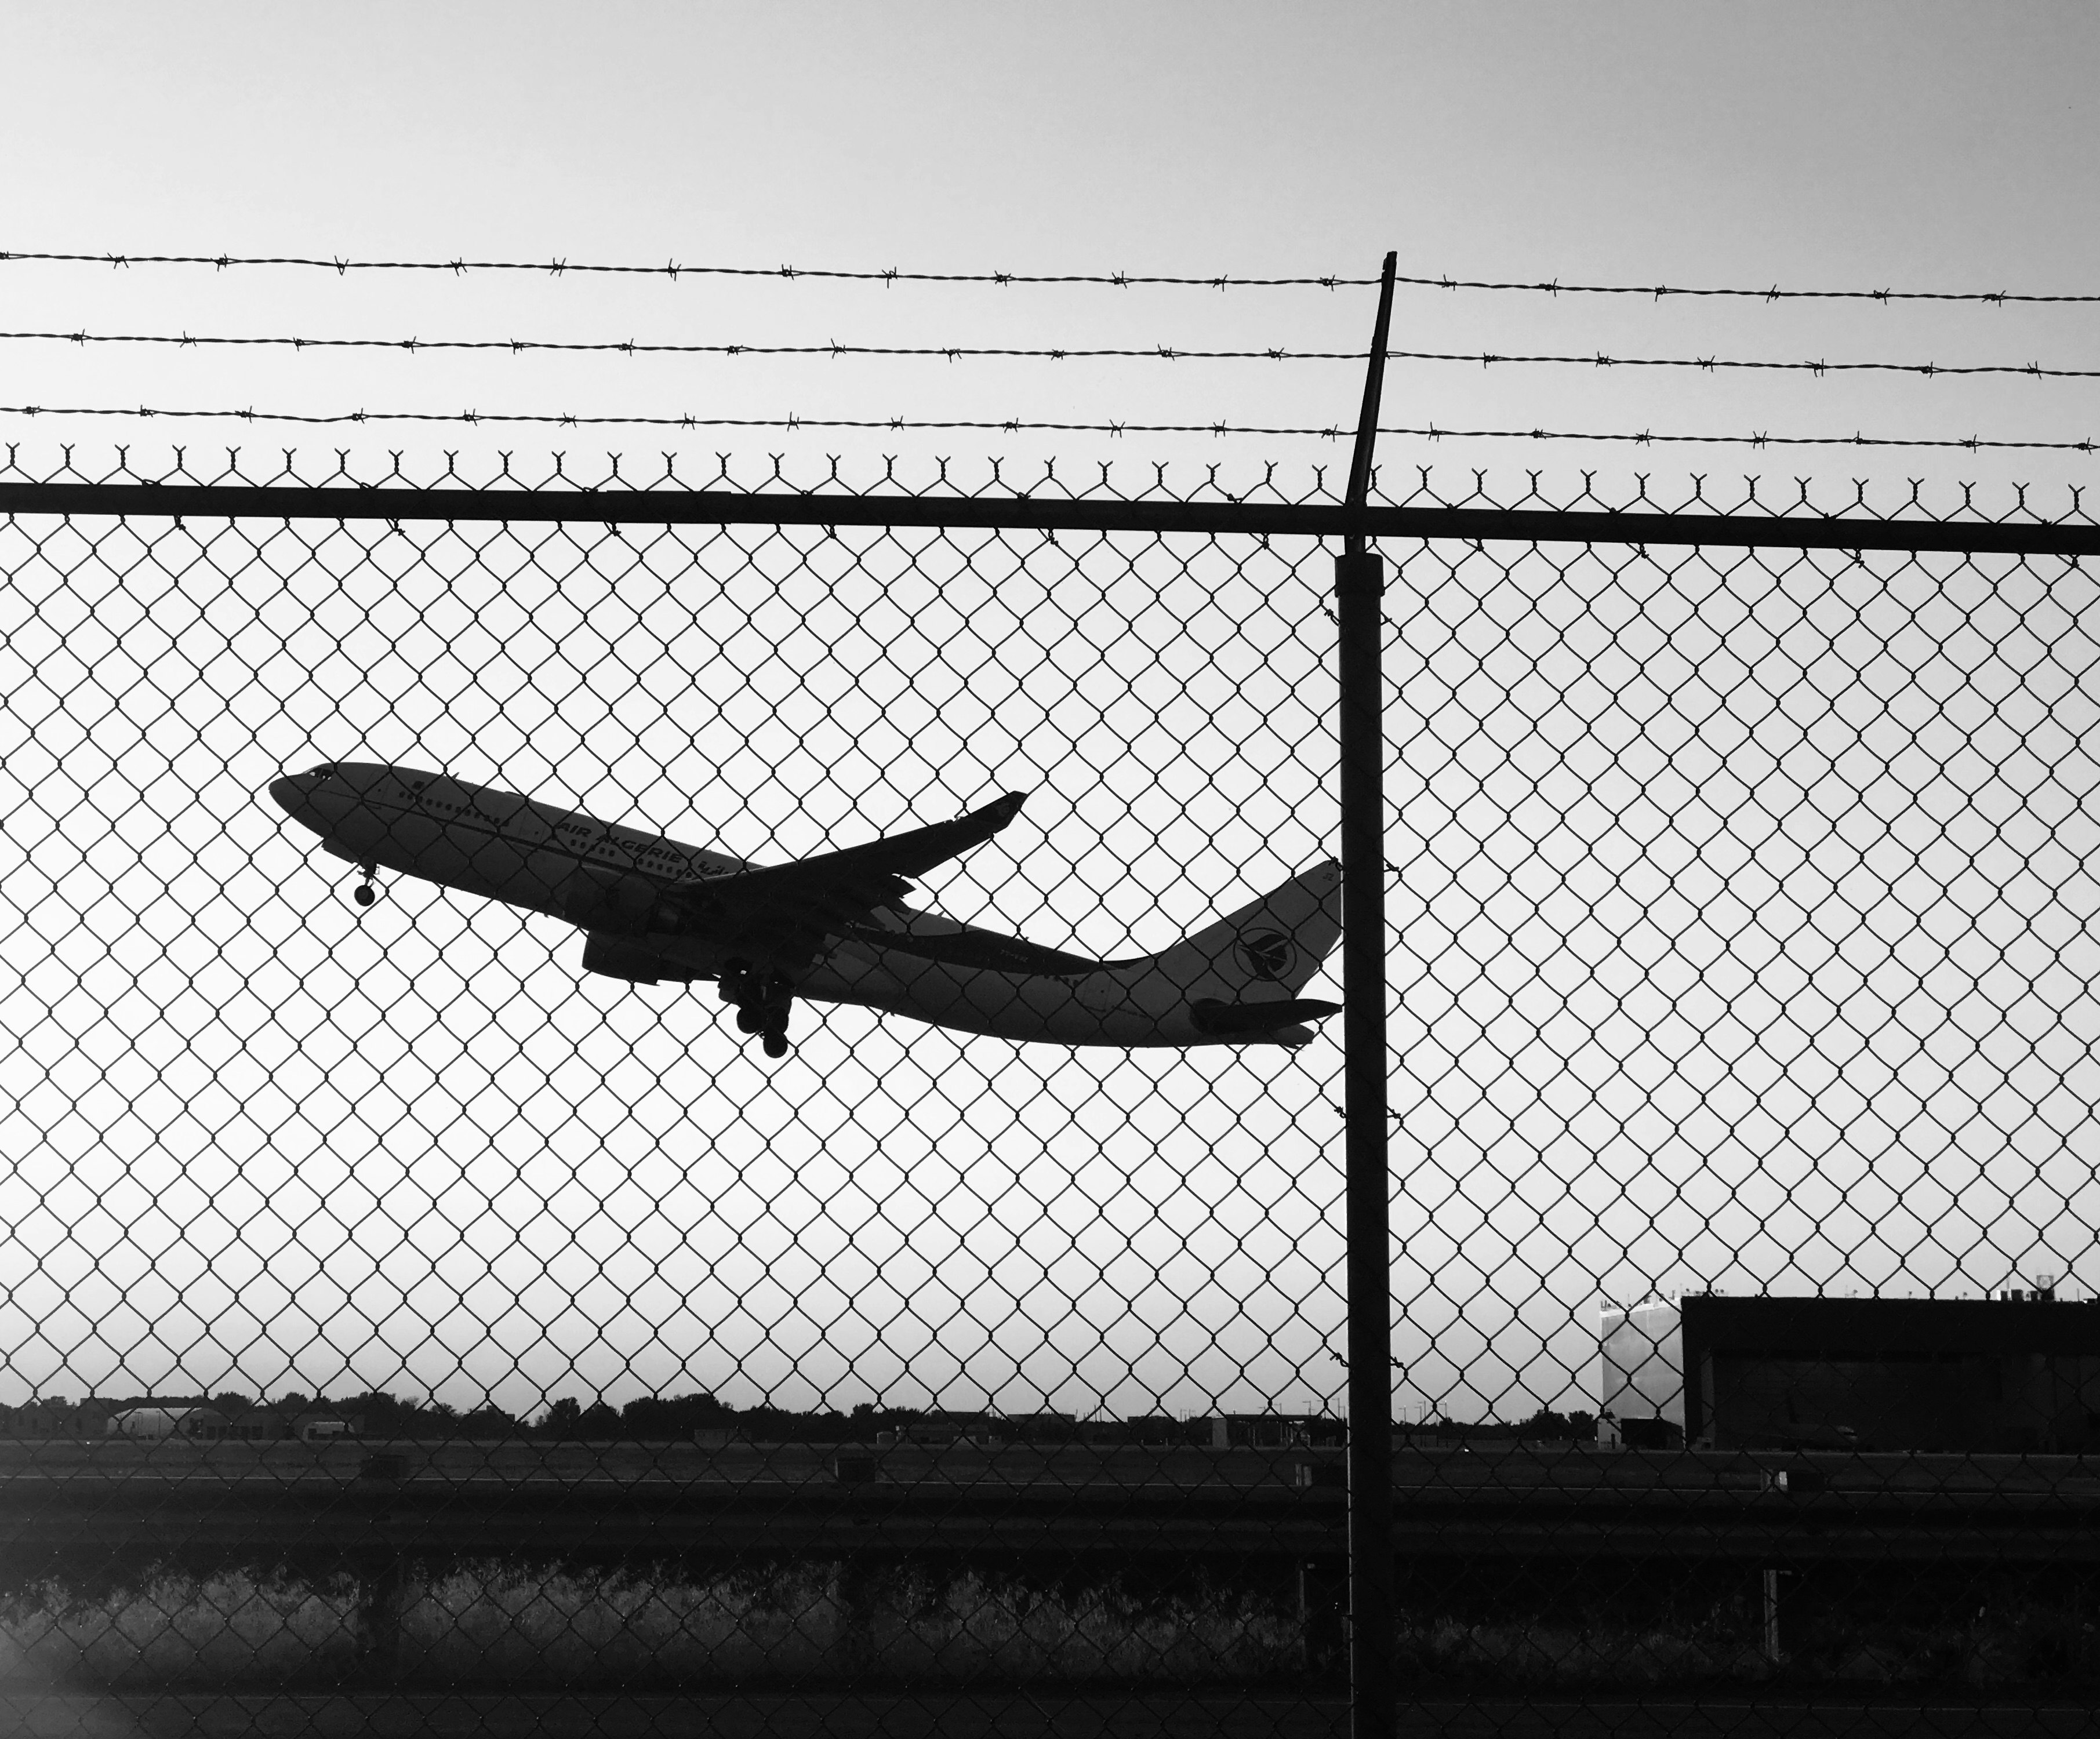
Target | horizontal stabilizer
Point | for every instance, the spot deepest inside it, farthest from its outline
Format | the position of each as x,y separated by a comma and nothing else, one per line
1242,1020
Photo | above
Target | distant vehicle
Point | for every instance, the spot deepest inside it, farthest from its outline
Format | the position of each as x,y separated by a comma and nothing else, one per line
829,928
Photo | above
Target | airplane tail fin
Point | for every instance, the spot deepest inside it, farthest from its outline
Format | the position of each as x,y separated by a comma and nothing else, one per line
1269,950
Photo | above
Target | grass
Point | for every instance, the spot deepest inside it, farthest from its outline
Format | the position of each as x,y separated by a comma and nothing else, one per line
905,1622
803,1624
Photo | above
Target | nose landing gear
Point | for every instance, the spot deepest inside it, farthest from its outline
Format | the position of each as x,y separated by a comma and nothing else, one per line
762,1000
366,891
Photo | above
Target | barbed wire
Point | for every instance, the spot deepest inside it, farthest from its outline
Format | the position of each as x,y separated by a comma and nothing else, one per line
673,270
1012,425
1710,363
1554,286
956,352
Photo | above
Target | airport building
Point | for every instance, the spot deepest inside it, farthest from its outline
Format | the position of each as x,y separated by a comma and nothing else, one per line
1154,1430
55,1418
202,1425
2019,1373
1275,1431
1642,1404
942,1429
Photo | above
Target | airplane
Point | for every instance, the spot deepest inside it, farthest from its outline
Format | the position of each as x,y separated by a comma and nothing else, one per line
833,927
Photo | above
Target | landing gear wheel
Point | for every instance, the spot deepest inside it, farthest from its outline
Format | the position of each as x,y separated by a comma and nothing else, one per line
777,995
772,1014
365,893
763,999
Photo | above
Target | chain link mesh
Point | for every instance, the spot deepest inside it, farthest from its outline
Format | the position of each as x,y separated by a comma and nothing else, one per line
547,1337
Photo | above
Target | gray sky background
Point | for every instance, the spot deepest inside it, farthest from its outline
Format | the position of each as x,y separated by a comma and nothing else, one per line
695,1220
1913,145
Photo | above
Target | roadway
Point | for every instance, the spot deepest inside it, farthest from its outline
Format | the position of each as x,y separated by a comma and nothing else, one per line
1512,1500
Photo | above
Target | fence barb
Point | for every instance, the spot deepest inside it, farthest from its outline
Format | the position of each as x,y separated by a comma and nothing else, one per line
2071,539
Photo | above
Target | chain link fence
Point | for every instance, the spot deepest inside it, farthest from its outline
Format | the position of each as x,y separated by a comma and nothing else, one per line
394,1304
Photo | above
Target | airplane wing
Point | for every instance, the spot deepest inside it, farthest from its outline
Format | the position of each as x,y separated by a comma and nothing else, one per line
784,911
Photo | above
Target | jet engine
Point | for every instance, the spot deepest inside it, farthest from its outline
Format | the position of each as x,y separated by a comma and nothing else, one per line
620,905
615,958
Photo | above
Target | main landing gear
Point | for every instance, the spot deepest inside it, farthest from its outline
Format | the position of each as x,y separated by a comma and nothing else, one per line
366,891
762,1000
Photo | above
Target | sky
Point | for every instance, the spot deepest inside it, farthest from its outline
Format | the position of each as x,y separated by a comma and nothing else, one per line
1144,1232
1857,147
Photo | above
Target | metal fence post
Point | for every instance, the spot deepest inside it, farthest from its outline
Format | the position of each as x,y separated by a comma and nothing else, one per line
1359,589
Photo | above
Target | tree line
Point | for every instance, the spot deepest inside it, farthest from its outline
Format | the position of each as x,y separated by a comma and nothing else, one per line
648,1418
662,1418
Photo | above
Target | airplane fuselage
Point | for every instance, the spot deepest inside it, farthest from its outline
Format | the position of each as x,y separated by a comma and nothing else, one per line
612,880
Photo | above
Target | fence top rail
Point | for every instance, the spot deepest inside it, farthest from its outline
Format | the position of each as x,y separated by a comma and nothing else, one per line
1051,513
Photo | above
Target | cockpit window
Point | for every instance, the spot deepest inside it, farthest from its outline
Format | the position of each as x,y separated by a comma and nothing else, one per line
326,770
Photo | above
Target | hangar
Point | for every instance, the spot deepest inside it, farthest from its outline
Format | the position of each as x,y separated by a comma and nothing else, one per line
2017,1373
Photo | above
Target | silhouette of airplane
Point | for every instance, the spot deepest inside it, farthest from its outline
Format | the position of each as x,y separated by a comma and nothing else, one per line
829,928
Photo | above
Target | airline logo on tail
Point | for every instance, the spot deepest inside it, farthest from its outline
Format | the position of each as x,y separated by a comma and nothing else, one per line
1268,955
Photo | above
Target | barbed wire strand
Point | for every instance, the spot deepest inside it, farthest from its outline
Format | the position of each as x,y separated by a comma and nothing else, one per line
956,352
1011,426
673,270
